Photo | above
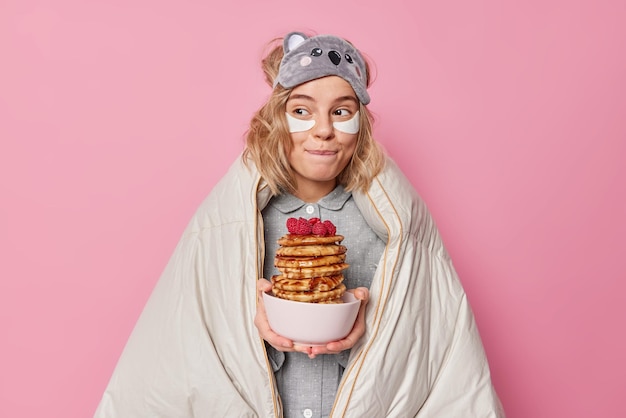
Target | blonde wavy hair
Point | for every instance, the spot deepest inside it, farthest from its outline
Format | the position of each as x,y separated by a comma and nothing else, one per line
268,142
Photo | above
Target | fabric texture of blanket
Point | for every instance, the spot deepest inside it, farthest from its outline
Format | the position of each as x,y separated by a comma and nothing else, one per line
195,351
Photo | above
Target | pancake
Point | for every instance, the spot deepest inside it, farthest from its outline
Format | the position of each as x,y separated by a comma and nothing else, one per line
311,250
312,296
305,285
326,260
333,301
309,272
292,240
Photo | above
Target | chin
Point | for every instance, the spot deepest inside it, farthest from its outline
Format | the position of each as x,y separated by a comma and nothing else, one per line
323,178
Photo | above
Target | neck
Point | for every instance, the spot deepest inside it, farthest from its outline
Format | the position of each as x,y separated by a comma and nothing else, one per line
313,192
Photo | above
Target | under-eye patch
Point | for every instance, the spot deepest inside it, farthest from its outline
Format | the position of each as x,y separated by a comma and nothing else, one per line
350,126
299,125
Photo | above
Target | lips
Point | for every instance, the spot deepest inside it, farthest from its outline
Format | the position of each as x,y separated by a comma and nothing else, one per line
321,152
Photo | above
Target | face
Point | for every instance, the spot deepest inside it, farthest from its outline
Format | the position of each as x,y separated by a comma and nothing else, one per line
320,153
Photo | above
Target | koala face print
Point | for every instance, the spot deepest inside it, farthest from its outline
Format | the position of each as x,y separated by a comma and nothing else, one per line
307,58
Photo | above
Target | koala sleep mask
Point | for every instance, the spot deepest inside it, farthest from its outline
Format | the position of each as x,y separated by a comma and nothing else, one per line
319,56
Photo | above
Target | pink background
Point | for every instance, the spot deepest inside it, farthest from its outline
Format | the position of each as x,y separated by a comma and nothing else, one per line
117,117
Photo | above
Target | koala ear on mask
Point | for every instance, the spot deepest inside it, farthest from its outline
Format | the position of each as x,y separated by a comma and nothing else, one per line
292,41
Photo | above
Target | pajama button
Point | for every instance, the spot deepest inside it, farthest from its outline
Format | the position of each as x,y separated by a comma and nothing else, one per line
309,209
307,413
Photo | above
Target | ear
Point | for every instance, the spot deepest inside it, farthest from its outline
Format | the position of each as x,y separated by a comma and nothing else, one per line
292,41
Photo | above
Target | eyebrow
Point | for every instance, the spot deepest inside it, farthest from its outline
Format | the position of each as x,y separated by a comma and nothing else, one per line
309,98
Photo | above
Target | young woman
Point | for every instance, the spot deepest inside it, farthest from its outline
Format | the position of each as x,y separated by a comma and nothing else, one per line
203,346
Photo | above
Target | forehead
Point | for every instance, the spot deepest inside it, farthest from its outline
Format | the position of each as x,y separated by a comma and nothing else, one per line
329,88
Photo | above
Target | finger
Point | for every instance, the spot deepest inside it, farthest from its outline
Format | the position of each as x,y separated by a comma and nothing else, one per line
263,326
275,340
278,342
361,293
349,341
357,331
263,285
305,349
335,347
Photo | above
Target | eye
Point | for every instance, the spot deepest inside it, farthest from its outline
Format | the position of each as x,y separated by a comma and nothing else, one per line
316,52
342,112
301,112
349,58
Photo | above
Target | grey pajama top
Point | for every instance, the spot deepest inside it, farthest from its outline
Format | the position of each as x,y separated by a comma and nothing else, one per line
307,387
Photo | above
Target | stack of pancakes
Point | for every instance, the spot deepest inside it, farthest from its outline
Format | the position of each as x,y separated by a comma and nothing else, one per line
311,268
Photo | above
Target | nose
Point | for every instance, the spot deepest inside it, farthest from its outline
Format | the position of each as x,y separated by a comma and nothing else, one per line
324,128
334,57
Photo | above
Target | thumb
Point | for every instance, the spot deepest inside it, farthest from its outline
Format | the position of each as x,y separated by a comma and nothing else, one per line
361,293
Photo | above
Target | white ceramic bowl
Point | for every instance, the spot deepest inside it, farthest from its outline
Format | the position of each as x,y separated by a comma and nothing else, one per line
311,323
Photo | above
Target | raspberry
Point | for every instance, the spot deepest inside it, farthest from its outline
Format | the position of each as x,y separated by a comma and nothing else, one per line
303,227
330,227
291,225
320,229
313,221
